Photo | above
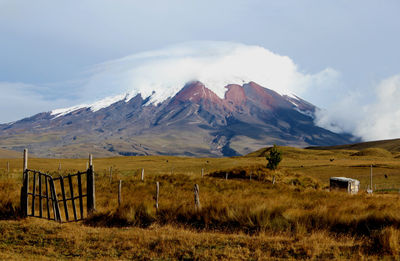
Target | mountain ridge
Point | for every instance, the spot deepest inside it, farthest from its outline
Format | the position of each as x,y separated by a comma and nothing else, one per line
194,122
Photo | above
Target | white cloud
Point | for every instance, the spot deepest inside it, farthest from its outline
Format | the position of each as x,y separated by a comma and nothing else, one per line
382,118
216,64
373,120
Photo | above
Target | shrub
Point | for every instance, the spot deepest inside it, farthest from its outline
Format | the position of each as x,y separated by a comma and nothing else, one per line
274,158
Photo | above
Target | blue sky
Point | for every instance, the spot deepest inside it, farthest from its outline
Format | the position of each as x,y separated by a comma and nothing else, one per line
48,48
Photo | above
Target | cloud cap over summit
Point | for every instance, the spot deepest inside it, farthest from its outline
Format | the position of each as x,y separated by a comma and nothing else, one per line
215,64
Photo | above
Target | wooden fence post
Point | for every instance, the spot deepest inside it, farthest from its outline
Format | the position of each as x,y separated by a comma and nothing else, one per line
250,175
110,174
197,204
142,177
202,172
25,185
119,193
273,180
90,187
226,176
90,160
157,194
25,159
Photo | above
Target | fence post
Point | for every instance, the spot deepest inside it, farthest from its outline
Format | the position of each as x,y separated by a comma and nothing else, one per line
25,185
273,180
119,193
202,172
371,179
197,204
226,176
110,174
90,187
157,194
142,177
25,159
250,175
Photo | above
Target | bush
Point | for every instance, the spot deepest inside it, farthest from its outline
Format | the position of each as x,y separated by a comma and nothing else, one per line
274,158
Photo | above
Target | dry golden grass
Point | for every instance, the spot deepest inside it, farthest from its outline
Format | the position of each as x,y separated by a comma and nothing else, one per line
296,218
374,152
48,240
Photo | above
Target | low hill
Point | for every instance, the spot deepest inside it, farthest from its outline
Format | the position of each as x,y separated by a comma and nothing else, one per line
375,152
297,153
389,145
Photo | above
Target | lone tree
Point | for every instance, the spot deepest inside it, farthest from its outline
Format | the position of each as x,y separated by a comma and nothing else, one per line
273,158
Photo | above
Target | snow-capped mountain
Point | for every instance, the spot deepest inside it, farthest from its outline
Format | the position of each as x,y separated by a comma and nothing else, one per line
195,121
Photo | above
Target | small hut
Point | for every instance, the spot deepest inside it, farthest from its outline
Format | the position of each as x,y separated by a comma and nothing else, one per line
341,183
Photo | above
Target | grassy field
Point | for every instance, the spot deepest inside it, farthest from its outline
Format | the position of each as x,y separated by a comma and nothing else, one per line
240,219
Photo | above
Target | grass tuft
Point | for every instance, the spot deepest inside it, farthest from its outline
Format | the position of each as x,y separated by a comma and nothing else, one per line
126,215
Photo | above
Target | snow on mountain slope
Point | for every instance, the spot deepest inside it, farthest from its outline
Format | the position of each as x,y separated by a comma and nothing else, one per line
104,103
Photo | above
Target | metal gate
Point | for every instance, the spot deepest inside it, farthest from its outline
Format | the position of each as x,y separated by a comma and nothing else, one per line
42,195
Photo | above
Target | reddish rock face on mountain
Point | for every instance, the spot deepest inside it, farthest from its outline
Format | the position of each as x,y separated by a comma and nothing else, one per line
196,92
235,96
195,122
